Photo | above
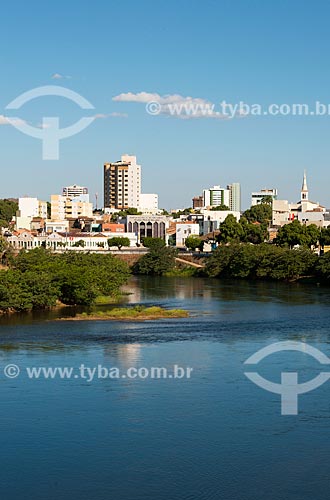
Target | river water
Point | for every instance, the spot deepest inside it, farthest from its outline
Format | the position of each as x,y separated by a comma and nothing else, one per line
215,435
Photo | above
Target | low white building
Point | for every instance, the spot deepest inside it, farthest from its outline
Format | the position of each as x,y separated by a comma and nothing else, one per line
56,226
184,230
148,225
63,207
257,196
29,208
306,211
61,241
219,215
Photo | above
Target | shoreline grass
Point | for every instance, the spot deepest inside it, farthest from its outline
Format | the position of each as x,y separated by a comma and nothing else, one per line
137,313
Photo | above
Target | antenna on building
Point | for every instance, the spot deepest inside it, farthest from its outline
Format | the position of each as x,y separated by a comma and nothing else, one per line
96,199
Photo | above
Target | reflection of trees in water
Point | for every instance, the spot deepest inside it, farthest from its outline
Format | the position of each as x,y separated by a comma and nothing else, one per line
144,288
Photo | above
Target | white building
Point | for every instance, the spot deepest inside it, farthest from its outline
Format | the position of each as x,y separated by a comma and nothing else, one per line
146,225
56,226
134,180
72,191
215,196
61,241
64,207
306,211
148,203
219,215
29,208
234,196
184,230
257,196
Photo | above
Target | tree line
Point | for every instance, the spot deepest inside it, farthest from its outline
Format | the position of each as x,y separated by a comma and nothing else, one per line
39,279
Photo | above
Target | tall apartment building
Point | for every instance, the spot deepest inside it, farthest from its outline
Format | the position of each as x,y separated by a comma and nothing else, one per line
215,196
234,196
74,190
257,196
66,207
122,183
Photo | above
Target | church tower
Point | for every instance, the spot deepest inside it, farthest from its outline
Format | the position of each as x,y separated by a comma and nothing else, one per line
304,189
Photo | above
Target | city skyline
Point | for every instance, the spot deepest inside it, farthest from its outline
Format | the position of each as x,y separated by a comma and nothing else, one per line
257,151
254,196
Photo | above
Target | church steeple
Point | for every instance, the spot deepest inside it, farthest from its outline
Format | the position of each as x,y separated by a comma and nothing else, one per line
304,189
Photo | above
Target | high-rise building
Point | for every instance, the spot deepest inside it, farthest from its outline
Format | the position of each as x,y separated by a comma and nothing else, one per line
257,196
215,196
122,183
234,196
74,190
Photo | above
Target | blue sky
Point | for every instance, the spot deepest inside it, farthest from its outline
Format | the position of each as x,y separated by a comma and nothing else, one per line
251,51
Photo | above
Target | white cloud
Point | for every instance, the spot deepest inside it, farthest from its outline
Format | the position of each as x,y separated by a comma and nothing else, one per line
103,116
57,76
175,105
146,97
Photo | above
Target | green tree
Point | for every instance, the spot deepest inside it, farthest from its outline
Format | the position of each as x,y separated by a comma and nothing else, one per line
295,233
293,264
150,242
314,234
261,261
129,211
253,232
8,209
267,200
79,243
38,278
157,261
325,236
323,267
119,242
3,245
230,230
261,213
193,242
221,207
185,211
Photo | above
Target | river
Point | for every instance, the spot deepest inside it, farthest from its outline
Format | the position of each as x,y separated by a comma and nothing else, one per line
214,435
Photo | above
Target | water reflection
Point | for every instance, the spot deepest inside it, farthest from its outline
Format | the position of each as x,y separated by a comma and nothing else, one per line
214,436
220,311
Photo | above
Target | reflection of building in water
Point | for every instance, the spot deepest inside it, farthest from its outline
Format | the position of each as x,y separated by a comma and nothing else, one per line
154,287
135,293
127,354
